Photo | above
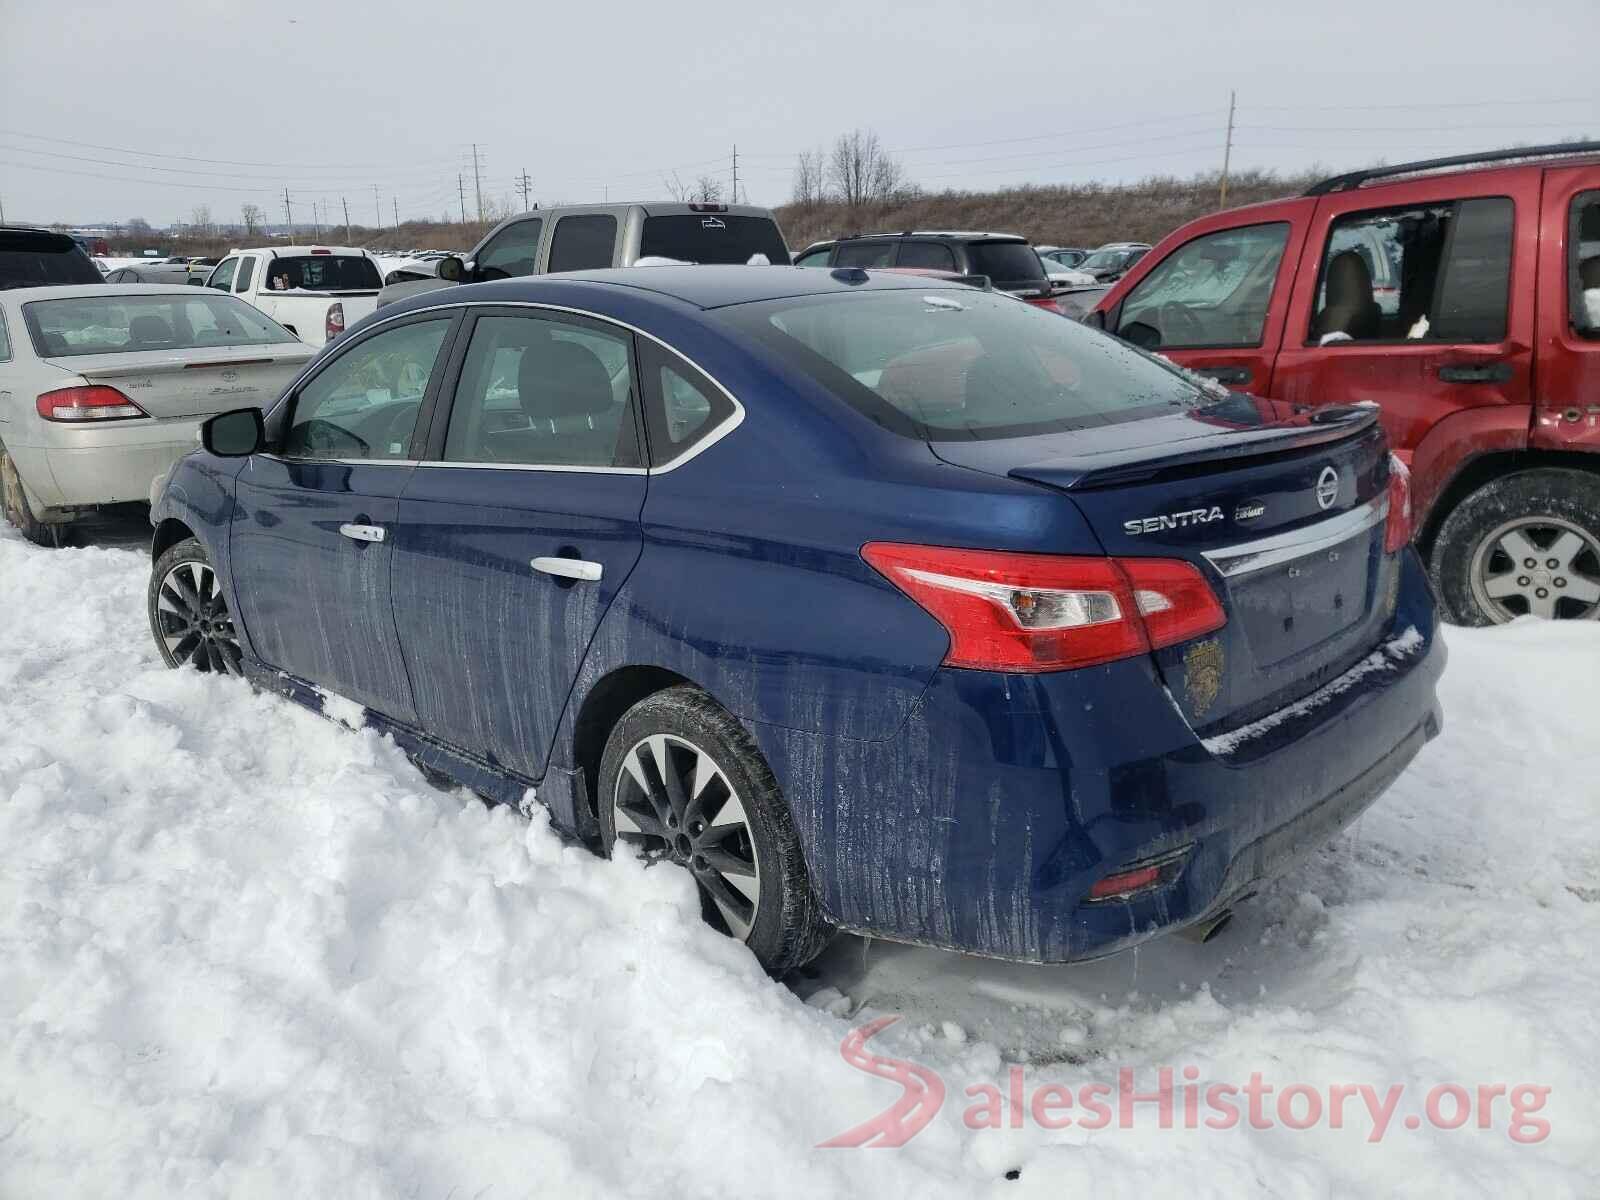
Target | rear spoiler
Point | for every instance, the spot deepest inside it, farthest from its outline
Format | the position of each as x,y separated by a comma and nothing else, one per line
165,366
1227,446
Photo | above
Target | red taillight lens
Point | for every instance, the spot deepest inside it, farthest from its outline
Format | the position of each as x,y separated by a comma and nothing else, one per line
1045,302
1006,611
334,325
1397,528
97,403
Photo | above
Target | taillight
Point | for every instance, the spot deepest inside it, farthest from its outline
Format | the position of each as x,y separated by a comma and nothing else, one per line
96,403
1045,302
1006,611
1397,528
334,325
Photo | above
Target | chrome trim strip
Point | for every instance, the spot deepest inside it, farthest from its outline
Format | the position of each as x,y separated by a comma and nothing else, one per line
499,466
717,432
1248,557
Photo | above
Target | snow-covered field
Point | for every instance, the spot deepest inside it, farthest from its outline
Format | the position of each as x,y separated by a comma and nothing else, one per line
247,952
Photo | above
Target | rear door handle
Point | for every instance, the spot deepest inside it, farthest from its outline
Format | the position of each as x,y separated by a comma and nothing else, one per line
569,568
362,533
1225,374
1488,373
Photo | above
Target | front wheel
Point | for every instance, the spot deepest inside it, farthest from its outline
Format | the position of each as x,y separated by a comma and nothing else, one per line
682,782
188,613
1523,545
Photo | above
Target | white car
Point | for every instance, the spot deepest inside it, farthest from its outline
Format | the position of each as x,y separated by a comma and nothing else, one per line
1066,276
315,292
103,387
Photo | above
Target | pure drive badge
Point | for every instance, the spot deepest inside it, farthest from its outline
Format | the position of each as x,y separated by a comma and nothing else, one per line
1175,520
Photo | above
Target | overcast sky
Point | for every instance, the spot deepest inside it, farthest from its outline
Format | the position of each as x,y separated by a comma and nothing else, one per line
113,111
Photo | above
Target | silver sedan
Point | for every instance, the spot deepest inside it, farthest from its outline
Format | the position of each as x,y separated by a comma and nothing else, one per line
103,388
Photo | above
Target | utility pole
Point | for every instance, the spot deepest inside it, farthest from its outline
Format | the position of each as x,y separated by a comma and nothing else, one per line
1227,152
2,210
377,206
477,182
736,172
288,215
396,200
525,186
461,191
316,218
347,238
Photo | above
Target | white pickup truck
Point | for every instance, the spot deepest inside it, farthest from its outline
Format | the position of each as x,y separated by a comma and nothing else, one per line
315,292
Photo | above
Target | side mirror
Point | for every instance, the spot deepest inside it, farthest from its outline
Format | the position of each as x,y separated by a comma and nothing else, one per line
451,269
196,281
1146,337
234,434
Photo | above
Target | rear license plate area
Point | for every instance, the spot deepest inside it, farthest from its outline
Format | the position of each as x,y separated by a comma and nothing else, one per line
1293,607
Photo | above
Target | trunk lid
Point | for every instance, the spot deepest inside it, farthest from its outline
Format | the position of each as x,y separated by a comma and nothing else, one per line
195,383
1283,515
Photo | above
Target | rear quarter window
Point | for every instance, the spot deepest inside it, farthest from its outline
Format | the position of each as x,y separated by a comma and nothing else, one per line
584,242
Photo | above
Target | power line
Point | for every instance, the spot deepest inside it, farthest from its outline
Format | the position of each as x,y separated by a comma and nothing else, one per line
230,162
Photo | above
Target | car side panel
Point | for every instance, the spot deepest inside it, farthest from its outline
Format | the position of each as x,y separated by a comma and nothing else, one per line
1567,387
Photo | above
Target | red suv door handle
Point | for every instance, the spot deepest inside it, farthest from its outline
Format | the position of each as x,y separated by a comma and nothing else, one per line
1487,373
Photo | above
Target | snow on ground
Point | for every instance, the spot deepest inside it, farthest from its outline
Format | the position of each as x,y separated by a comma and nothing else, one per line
245,951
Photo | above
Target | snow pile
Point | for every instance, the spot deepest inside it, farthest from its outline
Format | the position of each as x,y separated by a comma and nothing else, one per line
249,952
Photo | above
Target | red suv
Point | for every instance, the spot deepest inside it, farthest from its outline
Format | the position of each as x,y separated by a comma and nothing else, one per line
1462,297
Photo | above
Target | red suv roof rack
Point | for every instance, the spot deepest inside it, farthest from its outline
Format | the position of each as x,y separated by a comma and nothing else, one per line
1354,179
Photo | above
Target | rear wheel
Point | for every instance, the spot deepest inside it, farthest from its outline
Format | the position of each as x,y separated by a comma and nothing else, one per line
19,513
188,614
1524,545
681,782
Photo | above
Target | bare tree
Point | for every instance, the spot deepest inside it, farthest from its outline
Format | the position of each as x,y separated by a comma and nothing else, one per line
707,190
810,184
860,171
139,228
200,221
251,215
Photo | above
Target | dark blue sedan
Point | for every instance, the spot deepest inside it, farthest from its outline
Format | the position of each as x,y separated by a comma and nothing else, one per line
876,602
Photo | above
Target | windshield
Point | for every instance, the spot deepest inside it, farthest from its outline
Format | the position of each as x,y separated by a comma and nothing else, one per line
323,273
41,259
1108,260
118,323
955,365
713,238
1005,262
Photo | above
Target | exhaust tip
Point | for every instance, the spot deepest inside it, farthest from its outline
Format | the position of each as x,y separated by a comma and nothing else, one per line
1202,932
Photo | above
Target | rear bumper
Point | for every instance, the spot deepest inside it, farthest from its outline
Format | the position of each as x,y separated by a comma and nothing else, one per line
112,464
983,823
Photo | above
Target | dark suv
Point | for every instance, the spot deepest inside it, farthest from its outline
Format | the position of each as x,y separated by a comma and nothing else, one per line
1006,259
39,258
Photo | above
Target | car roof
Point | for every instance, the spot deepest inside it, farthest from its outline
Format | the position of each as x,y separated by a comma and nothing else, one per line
76,291
967,234
300,251
702,286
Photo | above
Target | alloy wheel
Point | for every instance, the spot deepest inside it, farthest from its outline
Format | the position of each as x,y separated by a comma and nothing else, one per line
675,803
194,622
1540,566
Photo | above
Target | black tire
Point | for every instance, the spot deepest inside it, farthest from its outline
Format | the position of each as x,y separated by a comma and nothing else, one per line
787,928
189,616
1540,505
14,501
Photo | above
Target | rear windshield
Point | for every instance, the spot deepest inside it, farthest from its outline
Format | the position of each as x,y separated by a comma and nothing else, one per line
323,273
713,238
956,365
1006,262
117,324
42,259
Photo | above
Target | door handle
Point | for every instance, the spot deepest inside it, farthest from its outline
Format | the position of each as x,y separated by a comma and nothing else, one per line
1487,373
1225,374
362,533
569,568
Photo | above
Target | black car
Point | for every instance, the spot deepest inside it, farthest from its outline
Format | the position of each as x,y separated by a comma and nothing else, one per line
40,258
1113,260
1009,261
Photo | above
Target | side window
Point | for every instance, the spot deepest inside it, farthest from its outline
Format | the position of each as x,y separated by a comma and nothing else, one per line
583,243
5,340
682,407
539,392
364,404
1213,291
222,277
1583,264
1435,272
865,254
247,269
934,256
513,252
817,258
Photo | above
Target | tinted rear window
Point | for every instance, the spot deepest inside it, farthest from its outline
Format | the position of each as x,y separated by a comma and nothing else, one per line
953,365
583,242
114,324
712,238
40,259
324,273
1006,262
